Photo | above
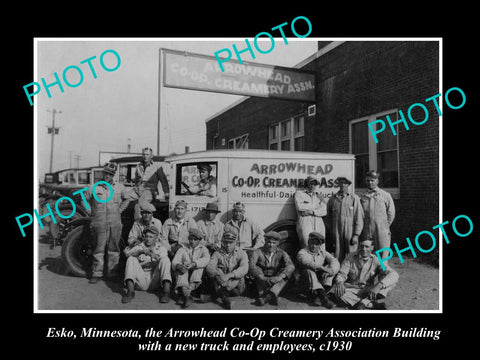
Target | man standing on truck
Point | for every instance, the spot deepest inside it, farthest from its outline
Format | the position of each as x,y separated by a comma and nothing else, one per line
106,223
147,176
379,212
311,206
249,234
345,220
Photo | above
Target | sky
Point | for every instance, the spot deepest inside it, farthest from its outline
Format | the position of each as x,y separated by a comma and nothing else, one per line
120,107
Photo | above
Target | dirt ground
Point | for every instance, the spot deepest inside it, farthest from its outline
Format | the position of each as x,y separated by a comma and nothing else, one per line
417,289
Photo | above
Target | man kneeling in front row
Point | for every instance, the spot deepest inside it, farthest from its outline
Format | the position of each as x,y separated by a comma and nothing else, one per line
361,282
317,269
227,269
271,268
147,267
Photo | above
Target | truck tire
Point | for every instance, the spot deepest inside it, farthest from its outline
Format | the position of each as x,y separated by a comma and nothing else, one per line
77,251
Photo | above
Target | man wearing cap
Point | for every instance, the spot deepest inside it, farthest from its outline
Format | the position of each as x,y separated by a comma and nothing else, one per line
188,265
211,227
345,220
249,234
379,211
311,206
136,232
271,267
227,269
361,282
106,222
175,230
207,185
317,269
147,176
147,267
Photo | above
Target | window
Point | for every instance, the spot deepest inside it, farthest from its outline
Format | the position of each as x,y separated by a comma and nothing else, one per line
287,135
381,156
240,142
84,177
190,181
97,175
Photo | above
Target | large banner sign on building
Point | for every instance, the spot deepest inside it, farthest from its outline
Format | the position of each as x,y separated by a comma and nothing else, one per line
202,72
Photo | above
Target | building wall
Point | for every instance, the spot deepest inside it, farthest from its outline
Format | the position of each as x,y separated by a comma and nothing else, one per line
357,79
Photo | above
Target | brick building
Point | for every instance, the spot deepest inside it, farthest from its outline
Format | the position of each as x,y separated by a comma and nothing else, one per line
356,82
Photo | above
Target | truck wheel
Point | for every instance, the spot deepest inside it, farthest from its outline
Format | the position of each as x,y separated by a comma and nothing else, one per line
77,251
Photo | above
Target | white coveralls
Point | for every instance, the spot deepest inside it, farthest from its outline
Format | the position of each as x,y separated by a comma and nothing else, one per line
305,200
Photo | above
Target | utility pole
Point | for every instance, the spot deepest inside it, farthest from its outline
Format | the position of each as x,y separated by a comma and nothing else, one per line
54,131
77,161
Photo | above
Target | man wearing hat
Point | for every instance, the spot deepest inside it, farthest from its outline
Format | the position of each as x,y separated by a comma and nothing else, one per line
249,234
345,220
227,269
147,267
311,206
188,265
207,185
271,267
175,230
317,269
211,227
147,176
136,232
379,211
361,282
106,222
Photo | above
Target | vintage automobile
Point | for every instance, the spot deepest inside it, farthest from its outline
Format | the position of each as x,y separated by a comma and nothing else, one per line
264,180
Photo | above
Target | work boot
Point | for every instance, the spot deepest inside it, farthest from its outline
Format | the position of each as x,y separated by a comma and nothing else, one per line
128,297
188,301
359,306
379,305
165,298
324,300
273,299
226,303
94,280
263,299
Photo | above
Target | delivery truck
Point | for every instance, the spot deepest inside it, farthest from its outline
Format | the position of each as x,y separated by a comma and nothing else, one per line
265,181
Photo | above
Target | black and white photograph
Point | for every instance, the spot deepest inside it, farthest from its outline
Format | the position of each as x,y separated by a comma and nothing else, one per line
307,166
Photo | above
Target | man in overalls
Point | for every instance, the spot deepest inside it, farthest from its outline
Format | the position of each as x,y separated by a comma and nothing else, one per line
379,211
106,223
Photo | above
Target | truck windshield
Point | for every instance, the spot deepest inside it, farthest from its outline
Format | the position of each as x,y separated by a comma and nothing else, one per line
198,179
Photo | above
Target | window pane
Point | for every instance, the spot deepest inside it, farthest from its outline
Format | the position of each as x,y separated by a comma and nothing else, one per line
388,168
361,167
386,139
299,144
298,125
285,128
360,137
274,146
274,132
286,145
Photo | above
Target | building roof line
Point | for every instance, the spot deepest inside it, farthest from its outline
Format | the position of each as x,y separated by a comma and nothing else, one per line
302,63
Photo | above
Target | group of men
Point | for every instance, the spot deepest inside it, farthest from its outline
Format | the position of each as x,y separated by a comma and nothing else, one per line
214,261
